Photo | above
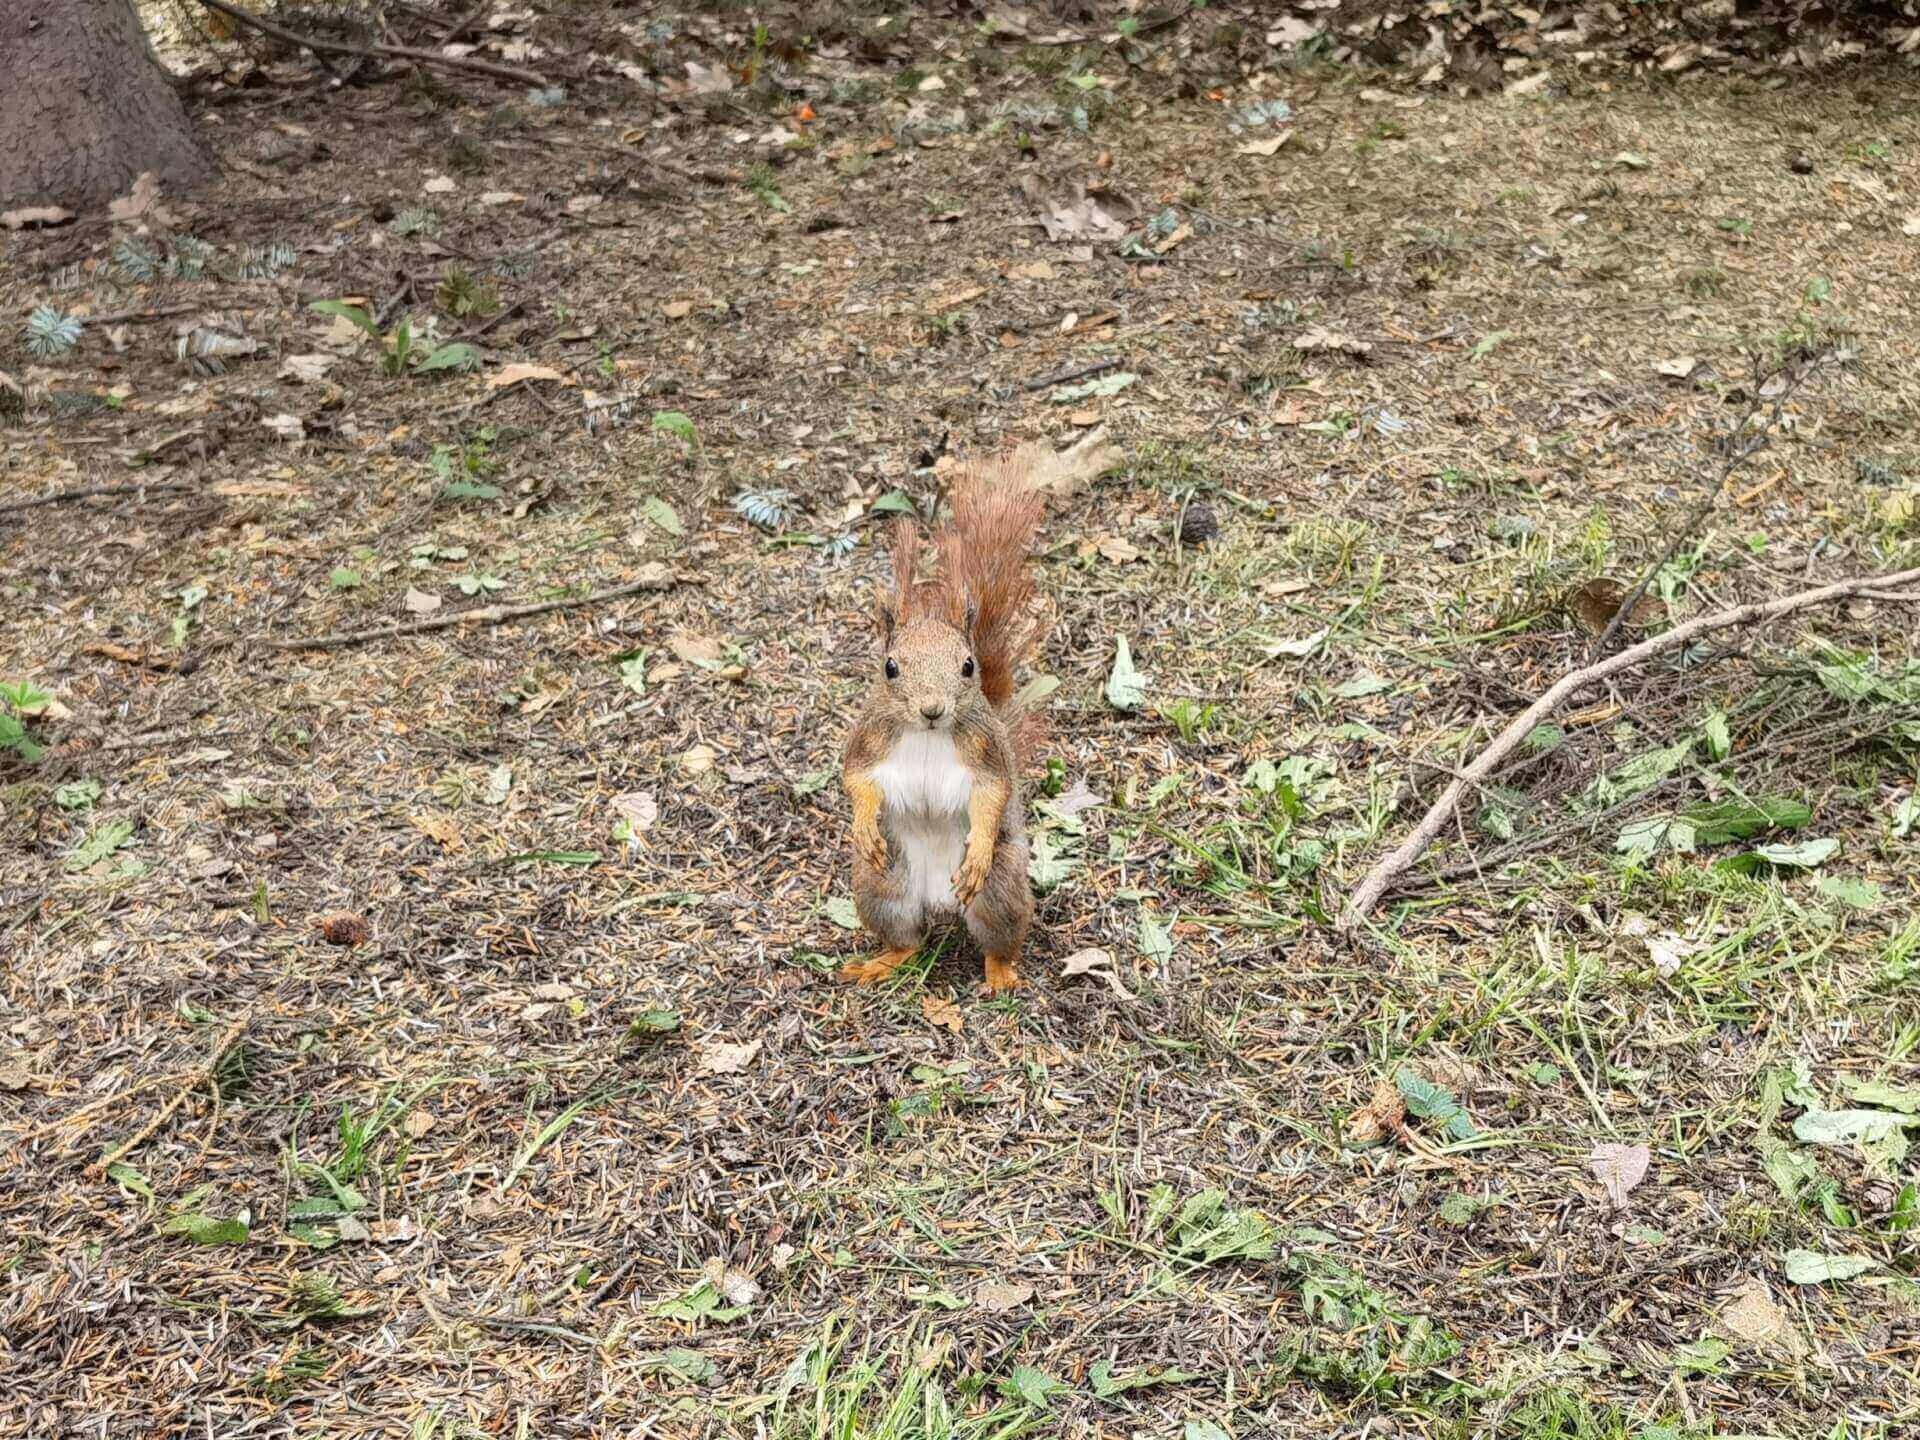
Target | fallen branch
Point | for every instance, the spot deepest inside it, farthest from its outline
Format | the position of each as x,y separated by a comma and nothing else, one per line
376,52
487,615
62,496
1392,866
187,1087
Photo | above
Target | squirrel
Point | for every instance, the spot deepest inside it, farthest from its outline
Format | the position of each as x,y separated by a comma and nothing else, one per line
932,767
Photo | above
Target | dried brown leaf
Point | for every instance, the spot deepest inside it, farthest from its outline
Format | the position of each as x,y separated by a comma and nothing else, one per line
1619,1168
939,1010
717,1057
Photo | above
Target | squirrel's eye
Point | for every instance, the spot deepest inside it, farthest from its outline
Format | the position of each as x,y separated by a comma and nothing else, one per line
893,670
967,669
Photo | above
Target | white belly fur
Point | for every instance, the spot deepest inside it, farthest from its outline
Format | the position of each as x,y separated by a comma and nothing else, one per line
927,789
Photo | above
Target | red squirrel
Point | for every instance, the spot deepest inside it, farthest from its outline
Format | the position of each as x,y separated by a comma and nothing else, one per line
933,764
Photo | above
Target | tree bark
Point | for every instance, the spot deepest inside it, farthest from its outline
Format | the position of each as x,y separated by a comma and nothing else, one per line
85,108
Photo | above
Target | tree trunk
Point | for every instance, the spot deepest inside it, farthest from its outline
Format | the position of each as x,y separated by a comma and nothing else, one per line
85,108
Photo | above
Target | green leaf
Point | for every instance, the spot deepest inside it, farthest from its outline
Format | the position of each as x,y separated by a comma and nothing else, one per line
1860,894
1790,1170
347,312
1705,1356
1036,1387
840,910
552,857
1809,1267
77,794
702,1302
633,672
942,1300
344,579
469,490
1050,861
1716,824
1203,1430
677,424
457,356
101,842
689,1365
129,1178
1488,344
1126,686
1364,684
1849,1127
1429,1101
1719,738
1103,385
1459,1209
1640,773
1904,1098
894,502
653,1022
663,515
1906,816
1036,690
1106,1384
1156,939
1544,739
206,1230
1804,856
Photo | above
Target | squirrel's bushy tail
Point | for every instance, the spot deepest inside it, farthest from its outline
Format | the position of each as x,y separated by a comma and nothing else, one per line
983,563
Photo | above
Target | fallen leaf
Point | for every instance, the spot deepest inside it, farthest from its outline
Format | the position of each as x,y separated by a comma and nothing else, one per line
705,79
701,650
1065,473
1619,1168
639,809
443,828
1678,368
1753,1317
34,215
1117,550
1002,1295
720,1058
939,1010
1178,236
677,309
501,197
1667,951
306,369
1269,146
419,1122
142,203
555,991
956,298
286,427
439,185
513,374
1595,604
1069,212
1318,337
420,602
1278,589
1033,270
699,759
1076,798
1384,1114
1099,964
1126,686
1911,225
1809,1267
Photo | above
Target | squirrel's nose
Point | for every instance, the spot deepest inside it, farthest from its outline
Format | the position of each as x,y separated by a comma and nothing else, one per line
933,709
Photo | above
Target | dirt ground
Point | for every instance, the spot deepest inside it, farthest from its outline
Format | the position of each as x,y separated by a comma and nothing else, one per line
573,1132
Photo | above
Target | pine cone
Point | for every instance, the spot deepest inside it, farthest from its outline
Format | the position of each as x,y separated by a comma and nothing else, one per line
344,929
1198,525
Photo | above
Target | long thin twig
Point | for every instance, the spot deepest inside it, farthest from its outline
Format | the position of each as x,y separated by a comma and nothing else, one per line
187,1087
377,52
488,615
61,497
1392,866
1739,451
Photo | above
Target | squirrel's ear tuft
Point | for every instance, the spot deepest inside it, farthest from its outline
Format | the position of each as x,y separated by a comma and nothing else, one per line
887,620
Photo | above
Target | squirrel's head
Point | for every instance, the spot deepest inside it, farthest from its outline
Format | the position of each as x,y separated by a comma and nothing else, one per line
928,668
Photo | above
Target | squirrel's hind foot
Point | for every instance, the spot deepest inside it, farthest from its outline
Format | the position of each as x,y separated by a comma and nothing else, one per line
1002,976
874,971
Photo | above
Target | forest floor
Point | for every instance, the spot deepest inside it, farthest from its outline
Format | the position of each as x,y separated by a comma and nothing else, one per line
1597,1129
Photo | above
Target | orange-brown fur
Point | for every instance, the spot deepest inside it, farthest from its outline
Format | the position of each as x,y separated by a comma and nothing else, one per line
953,641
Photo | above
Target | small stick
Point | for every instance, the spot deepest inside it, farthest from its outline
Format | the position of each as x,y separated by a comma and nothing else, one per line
1099,367
61,497
452,32
323,48
160,312
189,1087
1392,866
489,615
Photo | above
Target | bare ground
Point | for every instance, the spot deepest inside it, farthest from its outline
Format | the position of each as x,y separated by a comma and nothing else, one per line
509,1166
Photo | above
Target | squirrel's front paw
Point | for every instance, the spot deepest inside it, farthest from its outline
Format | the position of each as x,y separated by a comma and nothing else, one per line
971,878
872,846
